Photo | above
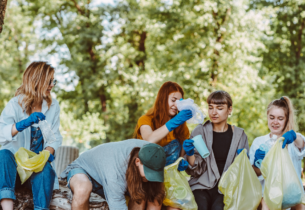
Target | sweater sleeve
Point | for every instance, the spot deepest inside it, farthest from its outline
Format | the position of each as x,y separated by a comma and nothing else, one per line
200,165
55,128
299,153
7,120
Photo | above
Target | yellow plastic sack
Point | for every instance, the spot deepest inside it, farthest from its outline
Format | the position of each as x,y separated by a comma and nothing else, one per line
240,185
29,162
177,188
282,186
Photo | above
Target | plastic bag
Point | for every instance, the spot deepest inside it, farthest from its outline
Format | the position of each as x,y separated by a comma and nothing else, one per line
29,162
282,186
177,188
240,185
47,133
198,116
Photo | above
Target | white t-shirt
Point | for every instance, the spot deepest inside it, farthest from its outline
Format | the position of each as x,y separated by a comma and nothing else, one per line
295,153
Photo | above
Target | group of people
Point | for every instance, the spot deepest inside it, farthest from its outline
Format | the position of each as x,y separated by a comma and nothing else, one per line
134,168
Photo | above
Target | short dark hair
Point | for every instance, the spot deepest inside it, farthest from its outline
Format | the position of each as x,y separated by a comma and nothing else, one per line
220,97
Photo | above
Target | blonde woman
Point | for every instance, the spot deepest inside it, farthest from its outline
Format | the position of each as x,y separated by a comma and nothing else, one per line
18,128
281,122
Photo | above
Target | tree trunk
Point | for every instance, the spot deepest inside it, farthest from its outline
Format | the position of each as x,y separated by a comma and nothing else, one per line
61,200
2,13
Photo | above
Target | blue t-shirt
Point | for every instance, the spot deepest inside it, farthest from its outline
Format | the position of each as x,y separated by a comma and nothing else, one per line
36,139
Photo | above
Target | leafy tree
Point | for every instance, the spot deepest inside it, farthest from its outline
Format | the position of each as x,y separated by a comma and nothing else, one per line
18,44
285,58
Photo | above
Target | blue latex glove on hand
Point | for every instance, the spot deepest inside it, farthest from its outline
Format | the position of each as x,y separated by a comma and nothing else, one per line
259,155
183,165
51,158
240,150
33,118
188,146
289,136
179,119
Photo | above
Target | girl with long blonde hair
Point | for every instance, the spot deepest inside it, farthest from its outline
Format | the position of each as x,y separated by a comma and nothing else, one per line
281,122
19,128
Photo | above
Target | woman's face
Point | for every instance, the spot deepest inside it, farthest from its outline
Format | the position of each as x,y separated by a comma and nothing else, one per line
276,120
219,112
51,85
172,98
141,169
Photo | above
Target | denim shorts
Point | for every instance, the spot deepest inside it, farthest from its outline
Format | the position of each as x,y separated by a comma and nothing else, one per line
96,187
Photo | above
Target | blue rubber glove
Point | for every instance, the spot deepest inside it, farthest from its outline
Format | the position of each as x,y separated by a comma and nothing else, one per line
259,155
183,165
179,119
51,158
33,118
189,147
240,150
289,136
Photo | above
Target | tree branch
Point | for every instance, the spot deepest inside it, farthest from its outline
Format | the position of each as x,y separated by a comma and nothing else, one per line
299,47
78,7
3,4
220,38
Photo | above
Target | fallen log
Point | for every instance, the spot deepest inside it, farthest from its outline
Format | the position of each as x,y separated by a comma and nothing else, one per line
61,199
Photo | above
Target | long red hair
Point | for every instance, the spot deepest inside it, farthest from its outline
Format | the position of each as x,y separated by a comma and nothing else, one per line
160,109
139,190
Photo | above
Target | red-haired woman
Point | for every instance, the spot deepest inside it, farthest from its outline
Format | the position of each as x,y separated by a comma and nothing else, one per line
162,125
19,128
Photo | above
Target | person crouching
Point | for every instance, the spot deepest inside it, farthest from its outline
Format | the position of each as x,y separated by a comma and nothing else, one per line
113,170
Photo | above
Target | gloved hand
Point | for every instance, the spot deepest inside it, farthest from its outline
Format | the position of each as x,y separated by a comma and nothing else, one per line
51,158
183,165
33,118
289,136
179,119
259,155
189,147
240,150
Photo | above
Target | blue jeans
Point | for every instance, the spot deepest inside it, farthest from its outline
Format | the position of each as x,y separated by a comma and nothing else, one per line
172,151
40,183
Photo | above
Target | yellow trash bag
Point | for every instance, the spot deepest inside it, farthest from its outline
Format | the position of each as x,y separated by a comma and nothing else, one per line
240,185
29,162
282,186
177,189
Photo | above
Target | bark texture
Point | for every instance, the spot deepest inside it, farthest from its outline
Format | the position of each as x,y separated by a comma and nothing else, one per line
3,4
61,200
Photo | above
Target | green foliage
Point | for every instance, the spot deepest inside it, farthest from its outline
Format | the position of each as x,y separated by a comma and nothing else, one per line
122,53
284,60
18,42
84,133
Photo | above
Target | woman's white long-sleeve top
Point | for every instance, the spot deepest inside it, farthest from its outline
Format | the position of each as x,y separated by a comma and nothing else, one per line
295,153
13,113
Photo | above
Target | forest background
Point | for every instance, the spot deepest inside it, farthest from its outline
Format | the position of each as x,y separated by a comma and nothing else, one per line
112,56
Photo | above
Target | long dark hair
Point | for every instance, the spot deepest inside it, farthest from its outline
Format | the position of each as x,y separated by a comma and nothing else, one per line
139,190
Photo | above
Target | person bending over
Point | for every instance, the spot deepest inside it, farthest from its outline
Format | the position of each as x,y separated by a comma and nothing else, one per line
19,128
112,170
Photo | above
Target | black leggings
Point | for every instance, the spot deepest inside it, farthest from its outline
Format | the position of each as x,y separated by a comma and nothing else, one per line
209,199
